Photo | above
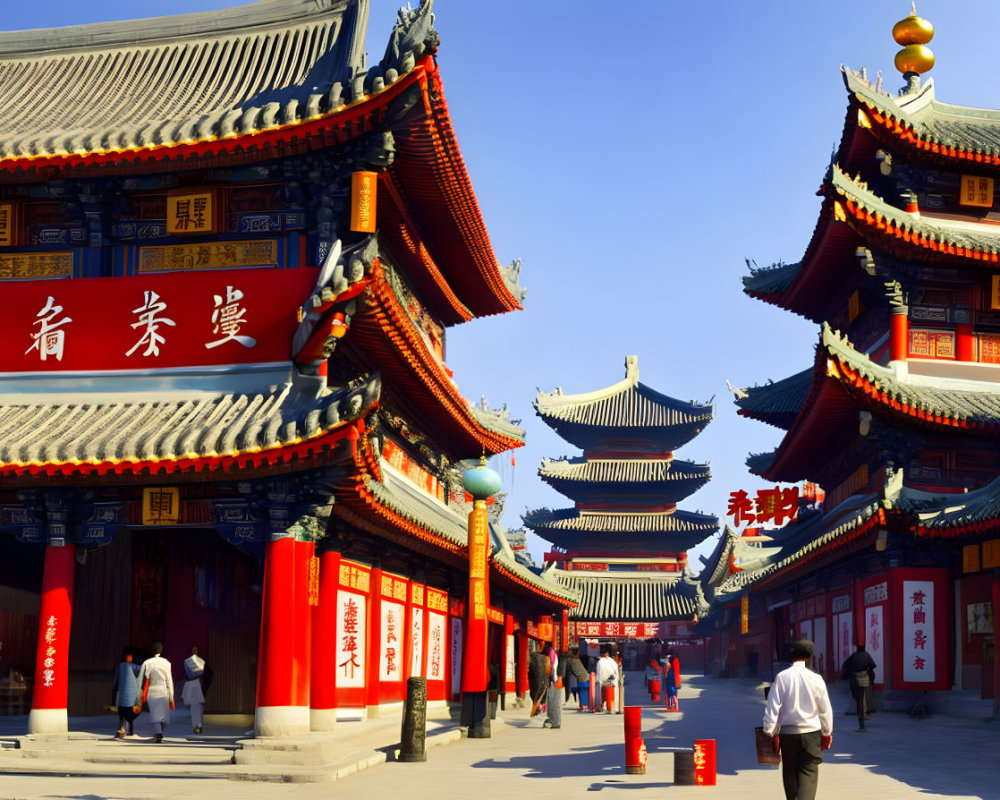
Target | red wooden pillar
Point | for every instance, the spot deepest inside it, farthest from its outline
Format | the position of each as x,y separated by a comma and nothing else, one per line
899,334
323,690
280,707
965,343
374,660
996,655
302,620
522,662
51,690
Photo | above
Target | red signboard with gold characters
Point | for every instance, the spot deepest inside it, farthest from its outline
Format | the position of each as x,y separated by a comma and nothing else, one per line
155,321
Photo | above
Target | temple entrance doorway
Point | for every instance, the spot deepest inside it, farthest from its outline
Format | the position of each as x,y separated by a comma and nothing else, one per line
180,587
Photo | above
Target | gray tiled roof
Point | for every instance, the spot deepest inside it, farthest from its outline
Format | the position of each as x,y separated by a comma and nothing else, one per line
777,402
942,512
620,470
982,238
975,129
169,80
976,403
613,480
497,422
626,404
771,280
78,428
643,597
613,522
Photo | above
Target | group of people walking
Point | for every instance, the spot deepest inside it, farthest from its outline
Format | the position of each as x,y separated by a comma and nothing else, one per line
554,678
150,688
663,678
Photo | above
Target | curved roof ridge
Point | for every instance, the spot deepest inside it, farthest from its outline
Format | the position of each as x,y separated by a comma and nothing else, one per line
782,397
970,236
622,469
565,406
156,30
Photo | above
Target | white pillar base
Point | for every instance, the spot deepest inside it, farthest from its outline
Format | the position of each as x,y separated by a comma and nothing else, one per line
322,719
48,720
281,721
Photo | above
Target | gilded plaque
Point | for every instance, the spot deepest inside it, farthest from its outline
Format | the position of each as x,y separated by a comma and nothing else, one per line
208,255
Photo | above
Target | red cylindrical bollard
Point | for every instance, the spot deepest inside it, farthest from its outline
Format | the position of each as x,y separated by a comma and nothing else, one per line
654,690
607,698
594,693
704,762
635,748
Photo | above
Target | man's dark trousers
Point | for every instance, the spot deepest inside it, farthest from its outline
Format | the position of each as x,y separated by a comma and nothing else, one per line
859,693
801,756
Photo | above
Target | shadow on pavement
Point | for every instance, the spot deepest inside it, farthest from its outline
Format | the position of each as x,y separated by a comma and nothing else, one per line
574,763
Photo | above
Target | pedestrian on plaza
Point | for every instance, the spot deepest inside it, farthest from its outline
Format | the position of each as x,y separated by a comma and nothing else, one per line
125,690
620,693
859,669
157,689
553,717
654,679
565,677
574,665
799,719
672,681
193,694
539,670
607,679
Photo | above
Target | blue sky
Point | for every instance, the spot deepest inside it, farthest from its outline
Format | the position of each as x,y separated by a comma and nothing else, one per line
632,155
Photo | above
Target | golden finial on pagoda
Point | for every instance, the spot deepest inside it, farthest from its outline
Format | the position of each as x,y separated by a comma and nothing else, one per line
914,33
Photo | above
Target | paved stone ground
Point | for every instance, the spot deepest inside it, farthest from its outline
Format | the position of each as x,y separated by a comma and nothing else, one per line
955,755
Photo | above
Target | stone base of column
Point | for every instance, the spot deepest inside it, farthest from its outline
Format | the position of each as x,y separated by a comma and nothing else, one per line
281,721
48,720
476,714
322,719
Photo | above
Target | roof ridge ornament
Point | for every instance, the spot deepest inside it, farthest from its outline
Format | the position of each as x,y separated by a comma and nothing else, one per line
915,58
632,369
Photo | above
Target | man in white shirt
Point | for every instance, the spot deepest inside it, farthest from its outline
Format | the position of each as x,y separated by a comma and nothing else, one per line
607,679
799,715
157,689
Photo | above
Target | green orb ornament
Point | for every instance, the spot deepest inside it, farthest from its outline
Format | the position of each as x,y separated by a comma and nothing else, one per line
481,482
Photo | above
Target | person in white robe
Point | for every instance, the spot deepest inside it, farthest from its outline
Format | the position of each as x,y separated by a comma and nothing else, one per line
157,689
192,695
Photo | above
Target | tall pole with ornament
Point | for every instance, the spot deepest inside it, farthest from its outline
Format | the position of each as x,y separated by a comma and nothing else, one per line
481,482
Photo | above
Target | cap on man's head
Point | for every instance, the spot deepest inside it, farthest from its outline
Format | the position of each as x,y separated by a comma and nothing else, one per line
803,648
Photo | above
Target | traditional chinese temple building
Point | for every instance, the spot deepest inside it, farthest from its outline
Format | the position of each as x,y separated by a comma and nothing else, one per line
231,251
898,416
623,545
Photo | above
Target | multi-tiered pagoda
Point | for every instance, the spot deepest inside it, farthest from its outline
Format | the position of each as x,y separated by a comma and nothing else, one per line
623,545
898,418
230,252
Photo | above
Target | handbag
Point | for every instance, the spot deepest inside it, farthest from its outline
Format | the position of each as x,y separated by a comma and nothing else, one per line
765,749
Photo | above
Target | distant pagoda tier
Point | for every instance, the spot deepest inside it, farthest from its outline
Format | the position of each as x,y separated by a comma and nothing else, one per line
627,417
624,545
606,480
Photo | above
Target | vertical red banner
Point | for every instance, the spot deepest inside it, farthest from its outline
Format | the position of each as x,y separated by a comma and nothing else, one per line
323,691
475,670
